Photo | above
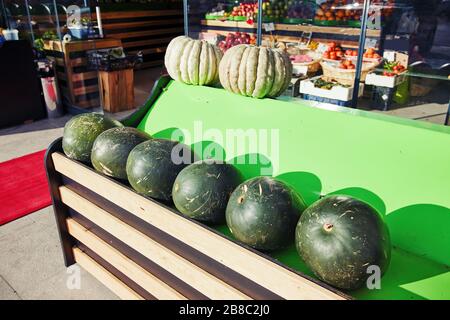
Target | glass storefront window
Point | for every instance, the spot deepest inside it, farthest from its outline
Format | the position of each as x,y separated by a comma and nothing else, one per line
404,49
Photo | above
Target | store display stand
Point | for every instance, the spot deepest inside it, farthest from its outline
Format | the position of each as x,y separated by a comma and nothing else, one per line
144,249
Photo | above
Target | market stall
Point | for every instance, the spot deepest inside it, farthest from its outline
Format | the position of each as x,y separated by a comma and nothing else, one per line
207,188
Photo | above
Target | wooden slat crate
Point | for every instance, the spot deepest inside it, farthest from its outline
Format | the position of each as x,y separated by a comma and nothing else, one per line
79,86
142,249
149,31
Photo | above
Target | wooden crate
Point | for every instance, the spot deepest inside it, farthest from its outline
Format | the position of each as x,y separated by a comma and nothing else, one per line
149,31
142,249
117,90
79,86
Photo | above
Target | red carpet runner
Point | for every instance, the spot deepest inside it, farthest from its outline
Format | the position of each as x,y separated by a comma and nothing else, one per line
23,186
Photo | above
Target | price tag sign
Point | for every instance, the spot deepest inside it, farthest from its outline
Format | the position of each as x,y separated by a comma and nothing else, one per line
389,55
299,69
322,47
269,27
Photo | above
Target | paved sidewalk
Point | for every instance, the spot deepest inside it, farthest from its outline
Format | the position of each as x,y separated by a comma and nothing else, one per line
31,262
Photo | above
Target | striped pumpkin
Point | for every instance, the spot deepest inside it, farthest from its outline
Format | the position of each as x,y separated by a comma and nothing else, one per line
192,61
255,71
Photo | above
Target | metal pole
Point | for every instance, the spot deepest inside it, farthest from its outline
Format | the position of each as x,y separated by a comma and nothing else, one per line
447,117
259,27
185,14
362,43
58,27
5,15
29,20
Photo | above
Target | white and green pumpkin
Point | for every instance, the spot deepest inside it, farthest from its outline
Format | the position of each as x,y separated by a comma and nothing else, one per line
255,71
192,61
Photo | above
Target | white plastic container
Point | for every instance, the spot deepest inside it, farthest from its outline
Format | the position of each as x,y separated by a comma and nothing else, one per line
336,93
383,81
11,34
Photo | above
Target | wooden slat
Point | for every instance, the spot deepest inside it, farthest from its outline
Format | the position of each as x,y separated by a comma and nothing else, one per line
197,278
91,44
137,24
144,33
148,51
105,277
84,76
146,280
138,14
142,43
78,62
84,90
248,263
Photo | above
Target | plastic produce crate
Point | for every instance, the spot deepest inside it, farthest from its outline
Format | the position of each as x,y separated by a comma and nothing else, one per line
143,249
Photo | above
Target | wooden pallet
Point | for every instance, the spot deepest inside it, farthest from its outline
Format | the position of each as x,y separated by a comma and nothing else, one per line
79,86
142,249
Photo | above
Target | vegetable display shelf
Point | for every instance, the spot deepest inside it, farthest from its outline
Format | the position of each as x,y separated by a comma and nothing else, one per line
148,31
79,85
290,32
144,249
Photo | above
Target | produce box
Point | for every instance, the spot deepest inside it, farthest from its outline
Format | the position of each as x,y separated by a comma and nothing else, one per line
141,248
384,81
337,92
336,102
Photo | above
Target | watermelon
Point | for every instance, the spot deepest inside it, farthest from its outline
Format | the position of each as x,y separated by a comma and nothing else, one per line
263,212
111,150
202,189
153,166
80,133
340,237
255,71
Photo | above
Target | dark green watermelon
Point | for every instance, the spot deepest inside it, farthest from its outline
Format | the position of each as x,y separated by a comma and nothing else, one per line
339,237
153,166
111,149
263,212
80,133
201,190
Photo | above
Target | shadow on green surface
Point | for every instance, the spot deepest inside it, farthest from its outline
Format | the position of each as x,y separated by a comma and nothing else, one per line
364,195
209,150
252,165
423,229
175,134
307,184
